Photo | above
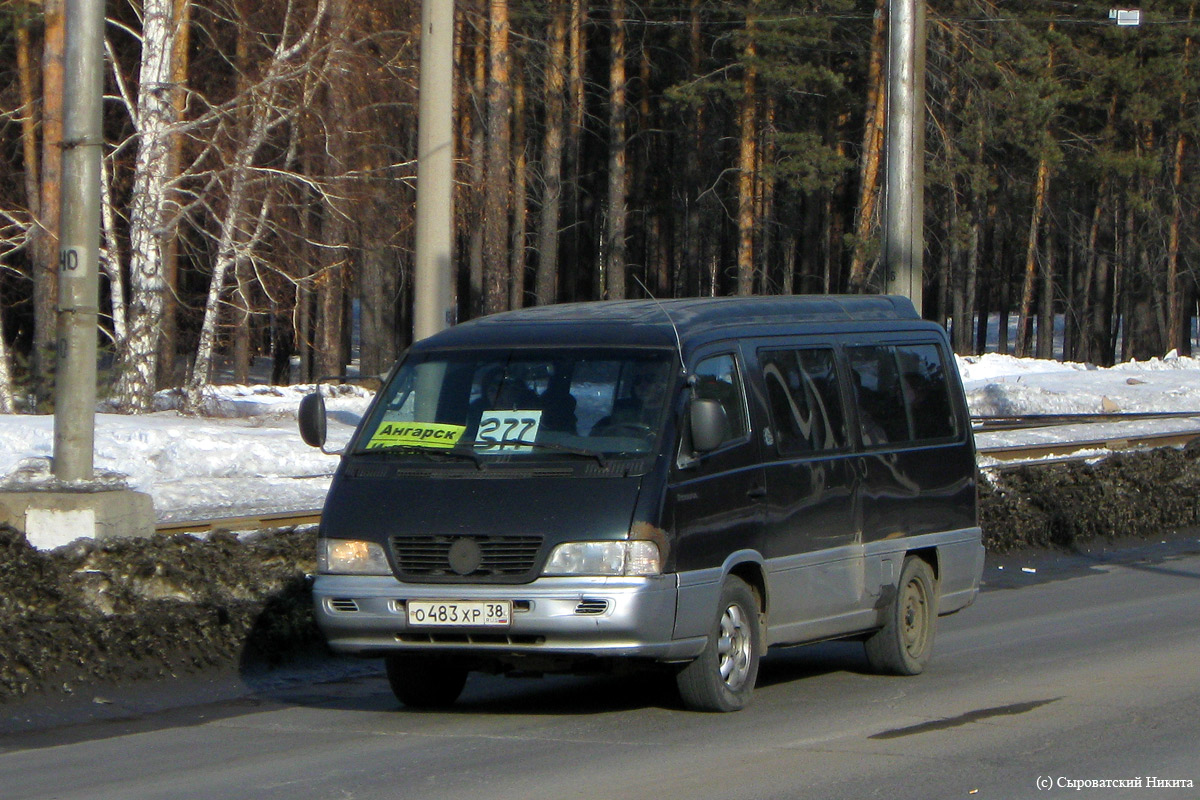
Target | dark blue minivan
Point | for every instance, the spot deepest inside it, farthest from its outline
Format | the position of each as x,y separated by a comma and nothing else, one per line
682,483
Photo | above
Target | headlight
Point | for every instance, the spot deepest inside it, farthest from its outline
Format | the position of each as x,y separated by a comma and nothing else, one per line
351,557
604,558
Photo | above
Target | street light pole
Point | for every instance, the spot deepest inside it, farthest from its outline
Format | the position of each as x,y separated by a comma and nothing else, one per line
904,199
433,289
79,241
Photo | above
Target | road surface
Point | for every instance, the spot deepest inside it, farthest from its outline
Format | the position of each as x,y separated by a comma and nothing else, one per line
1080,680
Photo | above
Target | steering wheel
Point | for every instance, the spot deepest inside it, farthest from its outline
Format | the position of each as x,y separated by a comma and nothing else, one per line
627,429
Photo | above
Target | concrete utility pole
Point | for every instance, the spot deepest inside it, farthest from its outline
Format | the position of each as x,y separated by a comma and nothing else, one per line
433,297
904,198
75,504
79,241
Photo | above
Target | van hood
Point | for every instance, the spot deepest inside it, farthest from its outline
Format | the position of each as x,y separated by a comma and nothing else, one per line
541,511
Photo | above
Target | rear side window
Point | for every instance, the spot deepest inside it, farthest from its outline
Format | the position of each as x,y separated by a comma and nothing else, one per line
902,393
926,392
805,404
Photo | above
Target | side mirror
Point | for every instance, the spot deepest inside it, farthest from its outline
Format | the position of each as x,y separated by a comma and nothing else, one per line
710,426
311,417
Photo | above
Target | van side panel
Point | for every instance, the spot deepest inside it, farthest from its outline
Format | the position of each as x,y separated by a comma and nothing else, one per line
918,491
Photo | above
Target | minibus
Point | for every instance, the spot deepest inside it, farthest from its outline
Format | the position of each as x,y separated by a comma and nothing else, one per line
677,484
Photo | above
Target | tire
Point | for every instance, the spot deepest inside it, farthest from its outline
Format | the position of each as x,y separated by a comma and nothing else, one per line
905,642
722,677
421,681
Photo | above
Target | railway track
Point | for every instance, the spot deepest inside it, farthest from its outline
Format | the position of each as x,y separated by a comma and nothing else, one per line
1089,433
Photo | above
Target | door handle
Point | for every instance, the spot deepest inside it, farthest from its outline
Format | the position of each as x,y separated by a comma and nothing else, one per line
757,493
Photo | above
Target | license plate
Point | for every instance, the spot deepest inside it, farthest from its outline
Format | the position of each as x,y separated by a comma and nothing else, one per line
460,613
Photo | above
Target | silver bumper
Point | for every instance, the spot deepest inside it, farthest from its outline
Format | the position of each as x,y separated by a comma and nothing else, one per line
551,616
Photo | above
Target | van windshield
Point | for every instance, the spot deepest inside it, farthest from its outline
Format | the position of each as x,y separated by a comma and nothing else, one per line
561,403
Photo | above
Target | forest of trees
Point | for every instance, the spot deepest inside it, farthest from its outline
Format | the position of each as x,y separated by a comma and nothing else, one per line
259,178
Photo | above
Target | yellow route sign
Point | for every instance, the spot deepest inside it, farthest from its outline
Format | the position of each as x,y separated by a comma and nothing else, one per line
416,434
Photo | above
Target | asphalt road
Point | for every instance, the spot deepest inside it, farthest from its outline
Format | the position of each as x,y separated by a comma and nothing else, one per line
1079,672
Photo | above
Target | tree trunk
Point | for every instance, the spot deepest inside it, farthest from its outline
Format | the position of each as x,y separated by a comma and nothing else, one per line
179,73
110,262
1024,318
497,184
1045,322
618,185
693,252
240,322
972,296
1177,335
45,244
747,158
29,135
331,289
520,197
545,288
475,289
570,271
148,212
875,118
8,399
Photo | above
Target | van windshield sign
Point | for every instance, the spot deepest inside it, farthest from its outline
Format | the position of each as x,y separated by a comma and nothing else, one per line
508,431
418,434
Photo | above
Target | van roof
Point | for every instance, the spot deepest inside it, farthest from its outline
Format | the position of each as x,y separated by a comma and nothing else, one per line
649,322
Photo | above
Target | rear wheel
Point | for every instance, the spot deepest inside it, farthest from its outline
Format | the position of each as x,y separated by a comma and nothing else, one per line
905,642
723,676
422,681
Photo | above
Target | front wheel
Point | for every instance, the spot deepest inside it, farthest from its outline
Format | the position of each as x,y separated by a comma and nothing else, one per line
722,677
422,681
905,642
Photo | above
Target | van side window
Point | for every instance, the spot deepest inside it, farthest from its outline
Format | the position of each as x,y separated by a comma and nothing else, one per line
902,393
926,392
881,412
805,404
717,379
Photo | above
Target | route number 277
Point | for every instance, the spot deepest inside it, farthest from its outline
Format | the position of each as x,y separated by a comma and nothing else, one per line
508,431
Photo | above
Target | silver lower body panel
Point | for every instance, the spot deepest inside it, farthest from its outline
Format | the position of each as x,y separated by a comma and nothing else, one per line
568,617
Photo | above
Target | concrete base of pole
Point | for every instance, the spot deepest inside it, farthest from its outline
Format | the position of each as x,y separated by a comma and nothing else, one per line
52,518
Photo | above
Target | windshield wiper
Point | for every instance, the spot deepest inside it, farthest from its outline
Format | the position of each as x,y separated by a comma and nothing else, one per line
429,452
564,448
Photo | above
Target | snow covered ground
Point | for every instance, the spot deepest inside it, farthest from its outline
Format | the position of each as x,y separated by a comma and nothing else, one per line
245,456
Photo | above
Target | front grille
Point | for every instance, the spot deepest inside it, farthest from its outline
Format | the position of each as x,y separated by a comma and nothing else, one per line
503,559
344,605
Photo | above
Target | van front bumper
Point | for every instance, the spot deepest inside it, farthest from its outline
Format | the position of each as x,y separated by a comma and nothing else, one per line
575,616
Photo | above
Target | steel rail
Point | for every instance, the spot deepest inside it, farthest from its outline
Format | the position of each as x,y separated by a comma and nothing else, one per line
1004,422
1014,455
282,519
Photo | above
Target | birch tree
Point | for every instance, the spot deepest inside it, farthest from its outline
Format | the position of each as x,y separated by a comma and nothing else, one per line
240,231
7,393
149,226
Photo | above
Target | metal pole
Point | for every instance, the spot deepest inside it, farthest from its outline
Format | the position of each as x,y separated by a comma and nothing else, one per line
904,201
79,241
433,298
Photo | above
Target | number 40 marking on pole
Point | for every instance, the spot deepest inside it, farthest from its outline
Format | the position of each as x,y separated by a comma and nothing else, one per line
71,263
